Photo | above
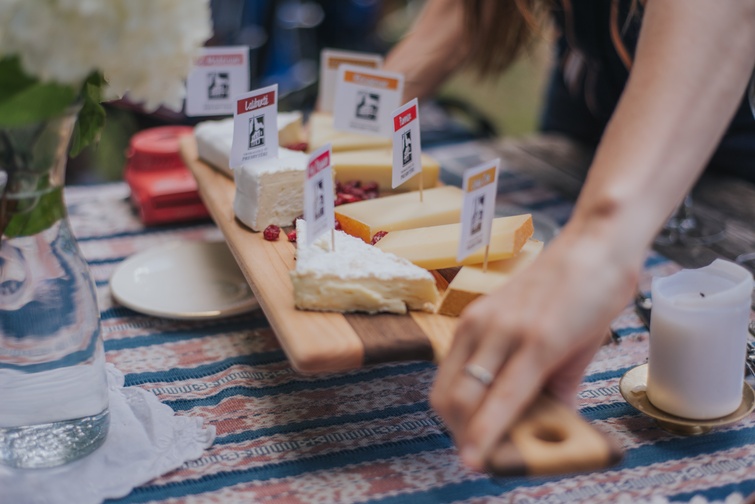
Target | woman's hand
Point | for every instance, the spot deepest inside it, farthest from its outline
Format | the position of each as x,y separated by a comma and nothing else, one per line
541,329
538,331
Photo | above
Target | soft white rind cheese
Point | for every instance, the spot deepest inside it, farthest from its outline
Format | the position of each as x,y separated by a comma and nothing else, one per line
214,138
271,191
357,277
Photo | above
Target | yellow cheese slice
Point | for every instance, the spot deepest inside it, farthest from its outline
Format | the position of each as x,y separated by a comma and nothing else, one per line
321,131
440,205
471,282
290,129
377,165
436,247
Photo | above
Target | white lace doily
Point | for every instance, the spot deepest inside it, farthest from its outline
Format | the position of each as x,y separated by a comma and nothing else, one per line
146,440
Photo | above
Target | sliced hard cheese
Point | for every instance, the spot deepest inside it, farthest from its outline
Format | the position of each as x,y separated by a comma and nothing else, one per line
214,138
357,277
321,131
377,165
440,205
436,247
471,282
271,191
290,129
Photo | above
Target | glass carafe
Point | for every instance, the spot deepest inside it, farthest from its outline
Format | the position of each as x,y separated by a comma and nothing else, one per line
53,386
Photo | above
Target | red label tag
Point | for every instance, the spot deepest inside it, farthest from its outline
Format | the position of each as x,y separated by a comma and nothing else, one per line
318,164
255,102
402,120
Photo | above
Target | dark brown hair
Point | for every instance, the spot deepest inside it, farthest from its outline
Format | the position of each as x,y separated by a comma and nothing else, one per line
498,31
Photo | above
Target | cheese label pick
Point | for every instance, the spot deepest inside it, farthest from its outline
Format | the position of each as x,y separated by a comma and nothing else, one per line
407,149
365,99
330,60
318,194
219,74
255,126
480,185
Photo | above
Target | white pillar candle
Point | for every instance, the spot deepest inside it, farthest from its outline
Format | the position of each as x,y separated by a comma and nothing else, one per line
698,340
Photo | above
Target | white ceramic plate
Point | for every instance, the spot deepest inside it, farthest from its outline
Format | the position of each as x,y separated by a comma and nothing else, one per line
183,280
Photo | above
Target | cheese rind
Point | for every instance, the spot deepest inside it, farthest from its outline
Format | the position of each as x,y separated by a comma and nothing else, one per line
472,282
214,138
440,205
436,247
321,132
271,191
357,277
377,165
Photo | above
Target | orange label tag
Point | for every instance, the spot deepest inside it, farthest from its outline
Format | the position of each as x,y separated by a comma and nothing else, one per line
480,186
481,179
334,62
373,81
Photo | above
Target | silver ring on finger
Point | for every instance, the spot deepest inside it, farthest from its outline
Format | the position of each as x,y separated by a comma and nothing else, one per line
479,373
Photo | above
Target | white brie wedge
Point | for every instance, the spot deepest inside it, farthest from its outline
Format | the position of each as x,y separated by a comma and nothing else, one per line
357,277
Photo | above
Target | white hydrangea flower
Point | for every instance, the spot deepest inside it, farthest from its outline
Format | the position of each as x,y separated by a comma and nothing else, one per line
143,47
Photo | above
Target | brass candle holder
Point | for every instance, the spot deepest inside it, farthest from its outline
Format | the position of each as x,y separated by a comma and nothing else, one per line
633,385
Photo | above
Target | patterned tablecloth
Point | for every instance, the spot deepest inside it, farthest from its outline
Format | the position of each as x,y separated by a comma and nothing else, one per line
367,435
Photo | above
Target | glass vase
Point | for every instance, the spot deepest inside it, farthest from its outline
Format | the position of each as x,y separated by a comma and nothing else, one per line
53,386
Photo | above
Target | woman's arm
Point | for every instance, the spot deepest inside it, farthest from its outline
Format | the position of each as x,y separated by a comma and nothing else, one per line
431,50
692,64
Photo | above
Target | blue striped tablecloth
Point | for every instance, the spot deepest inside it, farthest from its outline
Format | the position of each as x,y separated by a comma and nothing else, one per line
367,435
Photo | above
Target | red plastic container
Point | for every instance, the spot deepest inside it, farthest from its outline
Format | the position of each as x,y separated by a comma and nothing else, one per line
162,188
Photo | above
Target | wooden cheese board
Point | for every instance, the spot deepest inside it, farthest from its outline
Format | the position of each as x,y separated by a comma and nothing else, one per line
319,342
315,342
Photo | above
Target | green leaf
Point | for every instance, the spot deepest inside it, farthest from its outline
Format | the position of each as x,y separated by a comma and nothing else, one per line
91,117
42,214
12,77
24,100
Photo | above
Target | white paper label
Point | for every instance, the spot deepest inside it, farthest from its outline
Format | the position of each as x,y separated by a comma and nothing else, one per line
318,194
407,148
330,60
218,76
366,99
480,186
255,126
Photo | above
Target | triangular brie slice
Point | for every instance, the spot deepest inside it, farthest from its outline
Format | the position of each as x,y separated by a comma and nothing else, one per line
357,277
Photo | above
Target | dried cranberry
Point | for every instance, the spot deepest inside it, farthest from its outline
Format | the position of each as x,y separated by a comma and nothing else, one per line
292,236
349,198
271,232
359,193
378,236
338,226
350,186
293,224
370,186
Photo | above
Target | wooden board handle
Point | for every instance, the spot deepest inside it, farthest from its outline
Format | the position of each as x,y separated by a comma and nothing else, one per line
552,439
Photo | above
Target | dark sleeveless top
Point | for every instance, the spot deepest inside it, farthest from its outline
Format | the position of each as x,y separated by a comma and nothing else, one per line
594,53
